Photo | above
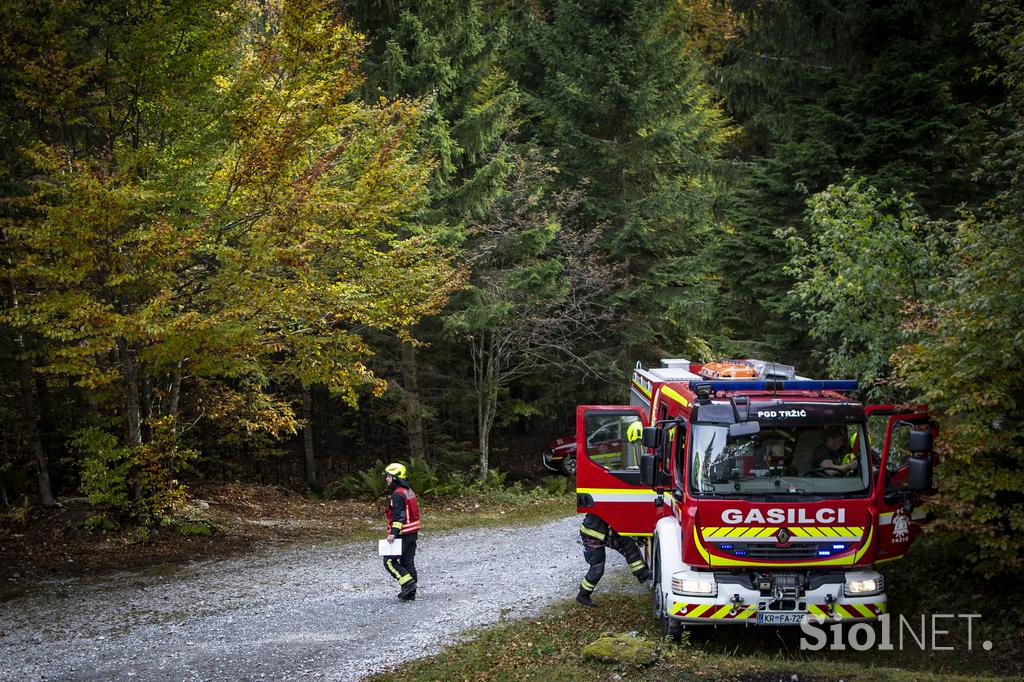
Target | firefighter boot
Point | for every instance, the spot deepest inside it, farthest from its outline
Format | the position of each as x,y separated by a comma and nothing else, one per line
643,575
584,598
407,589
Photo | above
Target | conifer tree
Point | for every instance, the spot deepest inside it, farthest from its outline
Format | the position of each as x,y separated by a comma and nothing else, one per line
884,91
445,52
616,90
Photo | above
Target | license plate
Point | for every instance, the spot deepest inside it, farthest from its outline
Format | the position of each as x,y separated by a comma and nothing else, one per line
779,618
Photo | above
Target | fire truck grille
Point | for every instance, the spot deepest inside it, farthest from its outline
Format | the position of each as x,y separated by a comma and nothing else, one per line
769,550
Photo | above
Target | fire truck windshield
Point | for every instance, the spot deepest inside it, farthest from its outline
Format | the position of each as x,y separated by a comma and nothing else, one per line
785,457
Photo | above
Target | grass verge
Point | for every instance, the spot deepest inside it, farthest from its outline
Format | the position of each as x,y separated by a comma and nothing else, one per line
549,648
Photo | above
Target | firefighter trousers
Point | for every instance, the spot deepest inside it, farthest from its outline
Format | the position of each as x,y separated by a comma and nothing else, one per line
594,555
403,568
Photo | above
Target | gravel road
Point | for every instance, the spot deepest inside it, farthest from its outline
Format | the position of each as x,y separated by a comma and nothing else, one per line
323,611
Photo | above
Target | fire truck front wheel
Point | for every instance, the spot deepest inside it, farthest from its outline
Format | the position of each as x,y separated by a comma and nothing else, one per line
569,465
669,627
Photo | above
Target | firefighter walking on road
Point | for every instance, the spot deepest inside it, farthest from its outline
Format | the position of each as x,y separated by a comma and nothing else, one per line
596,535
403,514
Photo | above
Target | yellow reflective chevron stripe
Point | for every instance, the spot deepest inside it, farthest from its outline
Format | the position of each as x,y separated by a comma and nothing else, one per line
845,611
815,611
748,612
747,532
637,565
405,578
864,610
587,585
714,611
721,613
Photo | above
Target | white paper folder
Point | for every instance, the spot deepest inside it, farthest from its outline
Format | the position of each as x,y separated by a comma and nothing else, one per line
385,548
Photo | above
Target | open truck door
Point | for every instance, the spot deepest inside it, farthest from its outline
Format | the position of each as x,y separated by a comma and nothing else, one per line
891,443
608,468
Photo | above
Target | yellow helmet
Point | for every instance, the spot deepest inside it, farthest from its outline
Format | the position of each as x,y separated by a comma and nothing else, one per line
634,431
395,469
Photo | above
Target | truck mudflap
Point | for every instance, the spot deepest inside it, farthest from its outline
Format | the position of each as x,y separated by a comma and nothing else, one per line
766,611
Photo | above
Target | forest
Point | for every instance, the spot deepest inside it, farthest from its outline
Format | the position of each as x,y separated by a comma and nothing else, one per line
279,241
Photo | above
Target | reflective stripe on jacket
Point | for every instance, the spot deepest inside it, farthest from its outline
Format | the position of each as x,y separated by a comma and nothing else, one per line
403,511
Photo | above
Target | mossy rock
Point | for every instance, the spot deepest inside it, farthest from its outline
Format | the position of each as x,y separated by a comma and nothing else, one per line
622,649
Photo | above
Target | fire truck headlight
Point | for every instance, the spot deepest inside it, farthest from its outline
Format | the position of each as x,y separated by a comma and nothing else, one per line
865,587
690,583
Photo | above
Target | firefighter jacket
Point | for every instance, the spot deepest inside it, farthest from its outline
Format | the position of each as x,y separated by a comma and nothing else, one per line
403,511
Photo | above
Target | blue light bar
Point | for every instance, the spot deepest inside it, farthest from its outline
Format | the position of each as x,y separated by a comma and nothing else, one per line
776,385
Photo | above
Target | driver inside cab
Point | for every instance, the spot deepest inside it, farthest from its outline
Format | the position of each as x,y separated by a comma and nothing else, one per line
833,457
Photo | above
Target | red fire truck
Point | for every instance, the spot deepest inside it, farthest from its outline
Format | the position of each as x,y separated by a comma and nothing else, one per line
764,497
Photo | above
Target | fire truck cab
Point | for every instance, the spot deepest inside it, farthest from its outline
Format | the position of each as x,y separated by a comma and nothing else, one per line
764,497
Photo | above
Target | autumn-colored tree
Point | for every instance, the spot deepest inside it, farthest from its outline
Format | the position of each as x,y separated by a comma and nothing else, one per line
205,210
966,358
936,308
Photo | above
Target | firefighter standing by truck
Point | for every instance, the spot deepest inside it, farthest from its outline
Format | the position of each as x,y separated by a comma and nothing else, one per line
596,534
403,515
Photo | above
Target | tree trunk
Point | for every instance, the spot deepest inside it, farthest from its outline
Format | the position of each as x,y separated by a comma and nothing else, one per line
34,437
4,458
487,402
28,406
132,404
307,437
175,398
132,408
414,409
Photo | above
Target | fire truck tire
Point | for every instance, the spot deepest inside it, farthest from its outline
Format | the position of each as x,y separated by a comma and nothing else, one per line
569,465
669,627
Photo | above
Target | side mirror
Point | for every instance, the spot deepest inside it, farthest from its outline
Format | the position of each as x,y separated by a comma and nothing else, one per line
652,437
920,442
919,473
744,429
646,467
